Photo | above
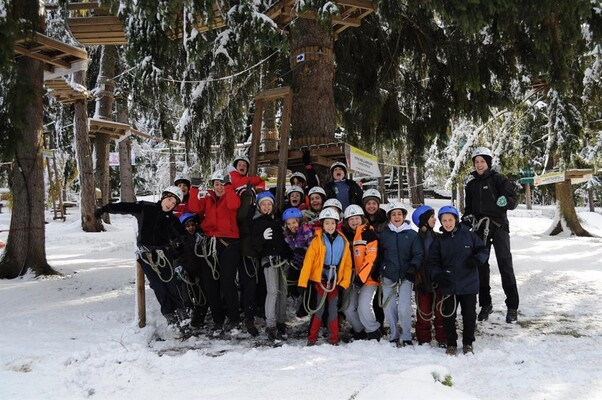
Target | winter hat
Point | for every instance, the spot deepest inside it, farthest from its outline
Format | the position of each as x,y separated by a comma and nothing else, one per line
424,218
485,153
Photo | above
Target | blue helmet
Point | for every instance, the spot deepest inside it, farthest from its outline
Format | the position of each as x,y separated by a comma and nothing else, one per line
265,195
448,210
292,212
186,216
418,213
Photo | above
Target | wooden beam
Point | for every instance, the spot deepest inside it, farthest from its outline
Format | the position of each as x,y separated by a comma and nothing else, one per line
363,4
42,57
60,46
274,94
256,130
80,5
283,151
99,20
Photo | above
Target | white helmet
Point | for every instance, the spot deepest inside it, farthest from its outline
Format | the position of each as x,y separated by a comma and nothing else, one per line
181,179
329,213
483,152
333,203
338,164
293,189
217,175
298,175
318,190
172,191
395,205
352,211
241,158
371,194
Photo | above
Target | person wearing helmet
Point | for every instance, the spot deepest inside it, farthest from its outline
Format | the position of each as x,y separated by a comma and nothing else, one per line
295,197
316,198
347,191
327,266
268,240
428,316
488,196
189,272
377,217
189,193
364,249
400,253
250,276
297,236
157,228
239,173
453,264
218,210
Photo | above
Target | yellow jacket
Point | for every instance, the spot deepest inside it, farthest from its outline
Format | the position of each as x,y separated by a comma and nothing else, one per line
314,263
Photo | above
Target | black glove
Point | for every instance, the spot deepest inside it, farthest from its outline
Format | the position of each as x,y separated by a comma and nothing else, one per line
473,262
468,220
443,279
301,291
411,273
306,157
98,212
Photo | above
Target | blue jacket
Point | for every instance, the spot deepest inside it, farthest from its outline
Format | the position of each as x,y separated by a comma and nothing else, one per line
448,254
398,250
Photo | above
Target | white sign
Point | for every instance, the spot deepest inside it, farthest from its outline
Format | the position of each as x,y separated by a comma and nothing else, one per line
361,162
300,57
546,179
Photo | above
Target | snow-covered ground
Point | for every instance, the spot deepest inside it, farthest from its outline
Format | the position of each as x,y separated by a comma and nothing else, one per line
76,336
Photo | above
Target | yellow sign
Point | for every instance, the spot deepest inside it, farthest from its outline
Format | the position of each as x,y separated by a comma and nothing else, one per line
551,177
361,162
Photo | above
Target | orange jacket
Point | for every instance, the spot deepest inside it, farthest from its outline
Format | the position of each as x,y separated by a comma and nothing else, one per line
365,252
314,263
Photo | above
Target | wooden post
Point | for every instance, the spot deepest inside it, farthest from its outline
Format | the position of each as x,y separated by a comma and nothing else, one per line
141,296
528,196
256,129
283,154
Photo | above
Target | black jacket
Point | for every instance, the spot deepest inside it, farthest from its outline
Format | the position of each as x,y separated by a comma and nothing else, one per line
156,228
355,192
272,247
482,192
448,255
244,219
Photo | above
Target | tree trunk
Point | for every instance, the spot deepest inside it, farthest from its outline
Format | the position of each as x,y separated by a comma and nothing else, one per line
26,245
314,112
590,199
172,165
381,180
104,109
83,145
125,156
566,208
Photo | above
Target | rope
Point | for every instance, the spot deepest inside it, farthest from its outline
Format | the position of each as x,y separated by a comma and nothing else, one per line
307,305
331,277
254,274
440,306
477,226
162,261
190,287
427,316
209,249
395,291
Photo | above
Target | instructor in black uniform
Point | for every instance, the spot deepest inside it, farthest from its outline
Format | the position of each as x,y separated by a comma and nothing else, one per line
488,197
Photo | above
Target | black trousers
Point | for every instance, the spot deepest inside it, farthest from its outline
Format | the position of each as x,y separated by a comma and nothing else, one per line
211,289
164,285
247,277
468,304
500,239
228,253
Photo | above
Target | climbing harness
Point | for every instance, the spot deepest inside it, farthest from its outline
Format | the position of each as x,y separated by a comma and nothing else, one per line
477,225
430,316
191,287
253,273
162,261
395,292
209,254
440,306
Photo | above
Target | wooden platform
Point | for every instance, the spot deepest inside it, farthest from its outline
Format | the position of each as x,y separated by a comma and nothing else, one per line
351,13
322,154
203,23
92,25
59,58
100,126
64,93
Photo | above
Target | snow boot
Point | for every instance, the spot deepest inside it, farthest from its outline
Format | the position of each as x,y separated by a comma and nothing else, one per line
282,334
251,328
272,333
376,335
197,320
451,350
467,348
512,316
405,343
484,313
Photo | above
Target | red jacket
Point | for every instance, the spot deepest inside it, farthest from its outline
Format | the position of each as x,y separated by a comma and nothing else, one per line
218,214
184,207
238,180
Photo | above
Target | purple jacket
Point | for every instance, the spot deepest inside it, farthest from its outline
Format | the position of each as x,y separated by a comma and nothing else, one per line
298,243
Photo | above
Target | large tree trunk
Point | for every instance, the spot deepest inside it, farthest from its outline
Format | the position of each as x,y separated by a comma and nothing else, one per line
415,180
87,201
566,207
104,109
26,244
314,112
125,156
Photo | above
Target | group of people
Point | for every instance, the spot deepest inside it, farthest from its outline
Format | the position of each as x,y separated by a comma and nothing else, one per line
335,249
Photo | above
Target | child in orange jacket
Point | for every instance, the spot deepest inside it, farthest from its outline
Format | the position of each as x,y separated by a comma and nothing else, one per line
328,265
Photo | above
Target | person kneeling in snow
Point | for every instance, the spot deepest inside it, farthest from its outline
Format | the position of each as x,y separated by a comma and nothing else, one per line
453,262
158,228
